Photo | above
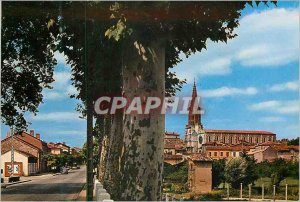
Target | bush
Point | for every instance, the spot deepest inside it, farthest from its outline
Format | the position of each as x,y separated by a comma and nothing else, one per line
210,197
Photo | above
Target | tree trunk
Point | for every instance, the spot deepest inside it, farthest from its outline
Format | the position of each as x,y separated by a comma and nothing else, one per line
112,168
142,152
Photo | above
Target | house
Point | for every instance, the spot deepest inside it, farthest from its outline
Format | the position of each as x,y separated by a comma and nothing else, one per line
173,145
288,152
199,173
75,150
28,149
55,150
263,153
63,147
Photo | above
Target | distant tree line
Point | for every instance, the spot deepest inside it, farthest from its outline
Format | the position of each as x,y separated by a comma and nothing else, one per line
245,170
63,159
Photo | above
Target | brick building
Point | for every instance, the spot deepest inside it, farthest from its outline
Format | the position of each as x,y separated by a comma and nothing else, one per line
196,136
28,150
199,173
173,144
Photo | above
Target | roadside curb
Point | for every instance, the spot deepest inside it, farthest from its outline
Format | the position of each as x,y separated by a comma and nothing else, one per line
81,196
12,183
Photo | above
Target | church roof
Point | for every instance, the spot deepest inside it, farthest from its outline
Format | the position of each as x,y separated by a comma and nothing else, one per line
256,132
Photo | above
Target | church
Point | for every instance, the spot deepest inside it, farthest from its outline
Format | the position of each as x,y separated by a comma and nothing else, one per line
197,137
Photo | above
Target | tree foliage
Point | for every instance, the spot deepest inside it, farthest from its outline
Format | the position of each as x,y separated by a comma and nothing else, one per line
26,59
240,170
218,167
176,173
294,141
277,170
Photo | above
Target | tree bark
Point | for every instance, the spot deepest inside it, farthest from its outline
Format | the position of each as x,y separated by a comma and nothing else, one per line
142,152
112,167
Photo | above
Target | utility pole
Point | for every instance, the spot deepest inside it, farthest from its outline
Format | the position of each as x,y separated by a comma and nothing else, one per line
89,117
241,194
249,192
274,192
262,191
227,191
12,159
286,192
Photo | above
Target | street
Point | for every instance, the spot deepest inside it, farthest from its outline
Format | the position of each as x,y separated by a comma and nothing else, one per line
47,188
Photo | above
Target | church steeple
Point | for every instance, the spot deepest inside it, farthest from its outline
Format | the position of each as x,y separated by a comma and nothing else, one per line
194,94
194,118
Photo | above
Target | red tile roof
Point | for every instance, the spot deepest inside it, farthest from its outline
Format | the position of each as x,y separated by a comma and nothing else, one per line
52,146
240,132
30,140
171,134
286,147
269,143
198,157
172,157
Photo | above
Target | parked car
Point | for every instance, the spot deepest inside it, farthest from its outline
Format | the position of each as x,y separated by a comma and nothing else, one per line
64,170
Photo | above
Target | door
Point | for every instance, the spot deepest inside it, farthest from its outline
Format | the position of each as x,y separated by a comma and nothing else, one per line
17,169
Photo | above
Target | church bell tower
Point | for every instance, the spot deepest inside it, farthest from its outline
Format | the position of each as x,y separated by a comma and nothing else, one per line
194,134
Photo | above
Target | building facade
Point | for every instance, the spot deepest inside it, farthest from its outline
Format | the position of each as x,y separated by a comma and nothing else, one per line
196,137
199,173
28,150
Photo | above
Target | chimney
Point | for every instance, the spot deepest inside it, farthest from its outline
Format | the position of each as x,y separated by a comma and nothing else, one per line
32,132
38,136
64,143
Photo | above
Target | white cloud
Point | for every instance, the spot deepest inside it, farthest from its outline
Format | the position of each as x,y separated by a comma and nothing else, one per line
57,117
60,57
62,88
276,106
272,119
288,86
53,95
267,38
228,91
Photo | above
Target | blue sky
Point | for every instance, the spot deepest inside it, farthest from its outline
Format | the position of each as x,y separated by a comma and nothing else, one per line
250,83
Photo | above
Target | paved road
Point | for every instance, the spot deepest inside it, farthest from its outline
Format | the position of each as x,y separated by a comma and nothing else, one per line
47,188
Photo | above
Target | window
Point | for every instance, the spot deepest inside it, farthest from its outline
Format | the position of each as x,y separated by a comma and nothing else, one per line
227,154
215,153
221,154
233,154
209,153
200,139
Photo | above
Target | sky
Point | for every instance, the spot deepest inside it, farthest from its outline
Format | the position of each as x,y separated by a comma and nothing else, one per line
250,83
